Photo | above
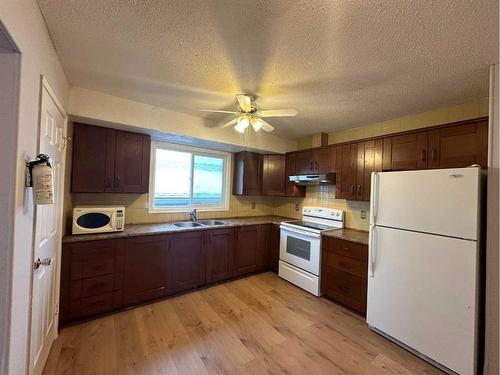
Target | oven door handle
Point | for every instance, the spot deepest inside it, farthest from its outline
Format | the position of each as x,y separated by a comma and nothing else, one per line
299,231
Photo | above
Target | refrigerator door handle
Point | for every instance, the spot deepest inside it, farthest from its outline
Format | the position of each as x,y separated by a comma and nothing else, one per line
374,197
373,251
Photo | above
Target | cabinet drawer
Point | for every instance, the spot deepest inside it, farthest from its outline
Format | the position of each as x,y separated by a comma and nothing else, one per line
346,264
92,267
346,288
346,248
91,305
93,249
93,286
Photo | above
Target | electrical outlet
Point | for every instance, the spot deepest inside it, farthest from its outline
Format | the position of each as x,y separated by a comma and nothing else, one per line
363,214
253,205
297,207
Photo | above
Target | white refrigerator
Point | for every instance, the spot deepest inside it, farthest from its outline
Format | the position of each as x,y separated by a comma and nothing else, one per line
423,271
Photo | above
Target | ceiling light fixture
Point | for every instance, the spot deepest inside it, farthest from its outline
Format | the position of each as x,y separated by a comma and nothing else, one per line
242,124
256,123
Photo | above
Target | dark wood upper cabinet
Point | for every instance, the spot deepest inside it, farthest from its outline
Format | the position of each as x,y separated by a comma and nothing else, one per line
346,185
220,254
188,260
132,162
291,189
247,173
274,178
107,160
370,161
146,268
93,165
405,152
319,160
249,255
459,146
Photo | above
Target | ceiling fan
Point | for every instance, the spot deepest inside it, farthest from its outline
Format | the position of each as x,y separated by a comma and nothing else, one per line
249,114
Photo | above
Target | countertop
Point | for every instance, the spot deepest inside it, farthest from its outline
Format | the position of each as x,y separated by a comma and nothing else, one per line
133,230
347,234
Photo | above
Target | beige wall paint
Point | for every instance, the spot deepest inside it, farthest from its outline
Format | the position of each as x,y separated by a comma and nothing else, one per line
103,107
464,111
25,24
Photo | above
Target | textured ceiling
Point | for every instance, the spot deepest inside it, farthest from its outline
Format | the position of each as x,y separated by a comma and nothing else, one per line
340,63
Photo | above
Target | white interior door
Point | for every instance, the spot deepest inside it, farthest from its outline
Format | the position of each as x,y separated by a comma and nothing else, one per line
440,201
48,227
423,292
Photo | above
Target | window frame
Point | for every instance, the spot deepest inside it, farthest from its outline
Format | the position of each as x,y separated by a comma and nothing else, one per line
226,156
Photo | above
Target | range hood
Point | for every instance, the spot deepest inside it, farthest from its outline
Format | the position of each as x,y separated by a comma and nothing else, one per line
314,179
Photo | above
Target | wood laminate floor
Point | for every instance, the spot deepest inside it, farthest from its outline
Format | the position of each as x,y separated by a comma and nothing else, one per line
257,325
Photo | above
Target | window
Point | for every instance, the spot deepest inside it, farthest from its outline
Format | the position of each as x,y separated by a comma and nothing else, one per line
184,178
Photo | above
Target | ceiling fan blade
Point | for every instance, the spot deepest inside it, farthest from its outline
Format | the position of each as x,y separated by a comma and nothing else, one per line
214,110
232,122
245,102
266,127
279,112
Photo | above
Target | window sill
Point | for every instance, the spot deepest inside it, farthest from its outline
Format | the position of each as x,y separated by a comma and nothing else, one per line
185,210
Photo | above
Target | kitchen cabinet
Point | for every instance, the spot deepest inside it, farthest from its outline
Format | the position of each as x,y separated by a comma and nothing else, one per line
344,272
91,279
274,178
109,161
314,161
345,188
146,268
405,152
220,254
291,189
188,260
274,247
248,255
247,173
459,146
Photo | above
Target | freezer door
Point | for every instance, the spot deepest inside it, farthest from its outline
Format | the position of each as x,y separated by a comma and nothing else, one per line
422,291
440,201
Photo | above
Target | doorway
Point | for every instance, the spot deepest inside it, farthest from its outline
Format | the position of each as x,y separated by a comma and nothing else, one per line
10,62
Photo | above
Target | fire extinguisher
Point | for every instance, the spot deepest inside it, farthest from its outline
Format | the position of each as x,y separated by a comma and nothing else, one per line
40,176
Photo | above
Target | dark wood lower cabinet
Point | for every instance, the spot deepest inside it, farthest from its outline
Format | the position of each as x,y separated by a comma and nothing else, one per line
274,247
220,254
249,254
102,276
344,270
146,268
188,260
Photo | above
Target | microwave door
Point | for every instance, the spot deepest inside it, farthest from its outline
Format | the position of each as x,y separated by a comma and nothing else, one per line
94,221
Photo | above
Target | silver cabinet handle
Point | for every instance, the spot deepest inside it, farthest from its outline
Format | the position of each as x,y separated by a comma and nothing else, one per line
42,262
373,250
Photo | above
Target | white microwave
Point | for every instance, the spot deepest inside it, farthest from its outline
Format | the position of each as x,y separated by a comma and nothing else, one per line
98,219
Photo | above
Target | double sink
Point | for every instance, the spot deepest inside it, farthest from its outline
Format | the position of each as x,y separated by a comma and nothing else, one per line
199,223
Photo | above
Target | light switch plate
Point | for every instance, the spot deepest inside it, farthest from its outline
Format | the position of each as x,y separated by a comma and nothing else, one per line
363,214
253,205
297,207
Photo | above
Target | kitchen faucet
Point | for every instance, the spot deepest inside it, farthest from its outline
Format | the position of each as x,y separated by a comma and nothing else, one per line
193,215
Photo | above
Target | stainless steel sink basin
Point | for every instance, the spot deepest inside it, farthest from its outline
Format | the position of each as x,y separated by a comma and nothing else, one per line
187,224
210,223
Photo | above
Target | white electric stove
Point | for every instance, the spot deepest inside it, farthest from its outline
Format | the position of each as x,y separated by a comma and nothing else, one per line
300,246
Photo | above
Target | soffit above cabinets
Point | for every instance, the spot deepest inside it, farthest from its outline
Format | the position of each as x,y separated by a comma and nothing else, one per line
341,64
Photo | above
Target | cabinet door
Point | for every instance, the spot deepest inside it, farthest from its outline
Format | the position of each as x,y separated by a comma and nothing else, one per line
459,146
372,162
248,250
405,152
247,173
304,163
132,162
348,173
146,267
292,190
324,160
220,254
188,260
273,181
274,247
93,159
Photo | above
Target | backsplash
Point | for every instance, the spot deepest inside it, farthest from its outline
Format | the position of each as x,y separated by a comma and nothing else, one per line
324,196
136,206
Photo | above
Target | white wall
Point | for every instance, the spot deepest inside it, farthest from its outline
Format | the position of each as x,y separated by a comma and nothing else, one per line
24,23
492,243
103,107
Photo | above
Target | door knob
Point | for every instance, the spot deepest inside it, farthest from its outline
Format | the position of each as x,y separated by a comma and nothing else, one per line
42,262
